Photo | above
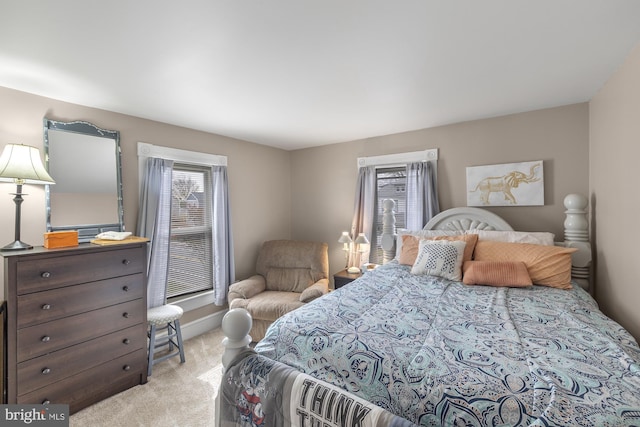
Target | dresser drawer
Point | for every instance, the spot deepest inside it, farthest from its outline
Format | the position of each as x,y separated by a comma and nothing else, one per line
43,274
46,306
44,370
78,386
41,339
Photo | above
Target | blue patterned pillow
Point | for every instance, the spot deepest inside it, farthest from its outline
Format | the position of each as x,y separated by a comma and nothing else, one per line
441,258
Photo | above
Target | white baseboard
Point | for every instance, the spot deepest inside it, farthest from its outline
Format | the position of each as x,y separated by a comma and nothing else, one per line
198,326
202,325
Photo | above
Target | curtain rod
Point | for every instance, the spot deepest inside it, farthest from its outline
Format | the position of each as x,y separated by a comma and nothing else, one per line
399,159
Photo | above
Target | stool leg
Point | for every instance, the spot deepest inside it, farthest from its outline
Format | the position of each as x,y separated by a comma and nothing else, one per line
152,346
180,346
171,331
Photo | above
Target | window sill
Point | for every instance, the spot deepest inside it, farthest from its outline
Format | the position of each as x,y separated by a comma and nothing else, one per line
193,302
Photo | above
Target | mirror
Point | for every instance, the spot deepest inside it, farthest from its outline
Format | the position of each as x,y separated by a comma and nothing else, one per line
85,163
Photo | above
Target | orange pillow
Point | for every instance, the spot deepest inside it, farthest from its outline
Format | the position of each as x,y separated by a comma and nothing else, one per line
469,239
547,265
511,274
409,250
410,243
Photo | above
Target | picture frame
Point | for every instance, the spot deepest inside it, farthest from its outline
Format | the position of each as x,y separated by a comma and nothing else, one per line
507,184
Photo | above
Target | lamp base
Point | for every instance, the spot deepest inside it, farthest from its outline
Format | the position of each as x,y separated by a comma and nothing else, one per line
16,246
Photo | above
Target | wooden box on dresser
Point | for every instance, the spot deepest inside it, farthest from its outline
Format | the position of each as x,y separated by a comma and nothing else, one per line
76,323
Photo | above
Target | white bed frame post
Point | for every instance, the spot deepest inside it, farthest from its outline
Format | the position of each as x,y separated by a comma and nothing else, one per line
576,235
236,325
388,230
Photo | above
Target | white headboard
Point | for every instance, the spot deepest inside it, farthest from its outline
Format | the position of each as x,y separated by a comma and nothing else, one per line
467,218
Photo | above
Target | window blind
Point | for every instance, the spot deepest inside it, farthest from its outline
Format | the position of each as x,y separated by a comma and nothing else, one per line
190,248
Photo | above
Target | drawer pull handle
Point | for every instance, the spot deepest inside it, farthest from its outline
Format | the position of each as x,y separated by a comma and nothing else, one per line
45,338
126,262
46,371
125,288
126,341
46,402
125,315
126,368
46,306
45,275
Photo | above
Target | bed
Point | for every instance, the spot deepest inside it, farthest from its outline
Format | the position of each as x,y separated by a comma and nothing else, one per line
399,348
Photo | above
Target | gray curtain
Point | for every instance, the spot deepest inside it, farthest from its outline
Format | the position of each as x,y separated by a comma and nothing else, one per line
154,222
364,210
422,195
223,262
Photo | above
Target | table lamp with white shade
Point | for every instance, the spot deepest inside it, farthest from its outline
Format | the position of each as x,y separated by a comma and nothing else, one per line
346,241
362,246
21,164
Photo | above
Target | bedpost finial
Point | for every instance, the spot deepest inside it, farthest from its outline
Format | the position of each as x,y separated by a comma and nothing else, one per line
576,226
236,324
575,202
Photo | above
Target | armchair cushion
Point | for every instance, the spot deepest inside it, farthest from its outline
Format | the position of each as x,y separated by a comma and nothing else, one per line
269,305
303,262
314,291
247,288
288,279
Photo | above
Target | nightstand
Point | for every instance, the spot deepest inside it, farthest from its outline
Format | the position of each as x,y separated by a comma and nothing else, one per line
342,278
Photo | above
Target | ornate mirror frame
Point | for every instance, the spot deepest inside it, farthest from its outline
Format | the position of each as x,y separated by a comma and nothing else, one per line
86,231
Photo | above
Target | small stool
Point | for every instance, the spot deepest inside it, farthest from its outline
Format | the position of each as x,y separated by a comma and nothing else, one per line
159,318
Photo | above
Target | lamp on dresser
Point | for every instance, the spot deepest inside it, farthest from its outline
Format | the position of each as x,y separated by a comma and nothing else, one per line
21,165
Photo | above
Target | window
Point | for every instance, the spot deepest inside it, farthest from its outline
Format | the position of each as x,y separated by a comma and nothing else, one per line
190,247
391,183
183,250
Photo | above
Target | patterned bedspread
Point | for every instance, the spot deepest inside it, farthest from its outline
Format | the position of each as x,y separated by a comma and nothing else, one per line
437,352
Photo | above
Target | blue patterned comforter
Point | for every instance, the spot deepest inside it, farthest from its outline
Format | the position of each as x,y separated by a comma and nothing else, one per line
438,352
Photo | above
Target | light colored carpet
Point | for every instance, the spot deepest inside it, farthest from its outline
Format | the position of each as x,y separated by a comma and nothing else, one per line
180,395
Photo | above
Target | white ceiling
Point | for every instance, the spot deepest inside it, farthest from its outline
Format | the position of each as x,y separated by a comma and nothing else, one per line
301,73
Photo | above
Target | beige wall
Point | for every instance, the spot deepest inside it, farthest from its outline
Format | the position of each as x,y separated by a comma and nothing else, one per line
615,201
323,178
259,176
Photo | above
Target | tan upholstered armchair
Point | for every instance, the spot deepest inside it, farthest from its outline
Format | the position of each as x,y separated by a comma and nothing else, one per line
289,274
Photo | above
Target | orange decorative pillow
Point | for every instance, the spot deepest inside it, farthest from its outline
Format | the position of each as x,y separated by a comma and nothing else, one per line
409,250
547,265
469,239
511,274
422,234
410,244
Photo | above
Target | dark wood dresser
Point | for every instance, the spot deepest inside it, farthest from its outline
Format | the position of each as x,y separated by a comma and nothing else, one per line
76,323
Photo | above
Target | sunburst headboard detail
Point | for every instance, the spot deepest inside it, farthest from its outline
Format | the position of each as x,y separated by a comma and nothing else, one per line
462,219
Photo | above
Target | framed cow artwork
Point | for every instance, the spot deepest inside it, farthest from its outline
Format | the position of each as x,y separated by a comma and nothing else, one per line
508,184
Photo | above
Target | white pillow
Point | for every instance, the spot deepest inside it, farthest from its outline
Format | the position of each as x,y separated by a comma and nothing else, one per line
441,258
534,237
422,234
